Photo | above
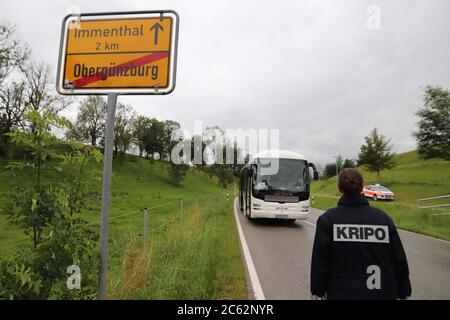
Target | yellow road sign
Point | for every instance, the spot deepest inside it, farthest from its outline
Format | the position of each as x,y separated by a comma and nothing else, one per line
125,53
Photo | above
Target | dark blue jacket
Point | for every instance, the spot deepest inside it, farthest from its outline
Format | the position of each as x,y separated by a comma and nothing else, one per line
358,254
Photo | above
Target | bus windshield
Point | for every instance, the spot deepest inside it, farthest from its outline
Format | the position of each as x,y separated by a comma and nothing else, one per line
292,177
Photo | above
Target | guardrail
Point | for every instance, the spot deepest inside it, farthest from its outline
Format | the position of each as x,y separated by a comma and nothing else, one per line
419,207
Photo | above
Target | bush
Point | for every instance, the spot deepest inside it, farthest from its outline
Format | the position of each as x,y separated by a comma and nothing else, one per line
45,211
41,273
177,172
17,280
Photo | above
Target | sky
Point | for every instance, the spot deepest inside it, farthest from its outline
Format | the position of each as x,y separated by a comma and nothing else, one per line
314,70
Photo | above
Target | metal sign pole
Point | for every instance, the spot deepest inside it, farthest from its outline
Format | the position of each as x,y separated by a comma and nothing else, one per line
106,192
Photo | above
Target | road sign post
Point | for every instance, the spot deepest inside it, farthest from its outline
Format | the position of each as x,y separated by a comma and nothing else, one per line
106,192
110,54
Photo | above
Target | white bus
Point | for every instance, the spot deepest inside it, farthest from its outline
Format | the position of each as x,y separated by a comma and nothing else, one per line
282,195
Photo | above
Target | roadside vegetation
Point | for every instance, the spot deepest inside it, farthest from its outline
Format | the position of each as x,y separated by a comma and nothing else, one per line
188,256
191,254
50,197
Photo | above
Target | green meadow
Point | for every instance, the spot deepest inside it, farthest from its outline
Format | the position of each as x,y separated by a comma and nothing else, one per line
192,249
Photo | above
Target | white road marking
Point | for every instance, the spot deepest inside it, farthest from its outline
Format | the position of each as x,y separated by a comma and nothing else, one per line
440,214
423,235
254,280
310,223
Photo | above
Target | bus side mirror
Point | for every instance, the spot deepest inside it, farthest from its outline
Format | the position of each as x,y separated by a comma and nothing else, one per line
315,173
253,172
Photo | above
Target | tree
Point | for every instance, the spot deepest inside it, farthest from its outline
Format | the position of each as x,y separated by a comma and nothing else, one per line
214,138
91,121
12,108
13,54
178,159
123,127
197,149
40,89
433,136
177,171
225,174
44,209
76,178
224,171
348,163
140,126
376,153
150,135
339,162
37,203
153,142
238,159
330,170
171,129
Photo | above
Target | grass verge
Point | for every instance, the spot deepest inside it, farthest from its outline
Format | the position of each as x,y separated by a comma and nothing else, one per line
195,256
198,258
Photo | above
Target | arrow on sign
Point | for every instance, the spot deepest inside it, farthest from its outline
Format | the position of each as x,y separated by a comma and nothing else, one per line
156,27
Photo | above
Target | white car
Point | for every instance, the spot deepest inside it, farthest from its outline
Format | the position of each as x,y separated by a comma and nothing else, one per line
377,192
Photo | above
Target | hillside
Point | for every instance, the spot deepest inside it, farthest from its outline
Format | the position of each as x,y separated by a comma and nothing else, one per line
139,183
412,178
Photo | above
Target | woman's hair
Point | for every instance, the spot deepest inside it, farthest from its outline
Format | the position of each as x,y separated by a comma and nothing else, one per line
350,182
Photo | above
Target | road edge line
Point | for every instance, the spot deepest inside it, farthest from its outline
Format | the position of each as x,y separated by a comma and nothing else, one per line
424,235
254,280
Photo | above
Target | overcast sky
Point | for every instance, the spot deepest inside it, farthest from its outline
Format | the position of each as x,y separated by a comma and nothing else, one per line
312,69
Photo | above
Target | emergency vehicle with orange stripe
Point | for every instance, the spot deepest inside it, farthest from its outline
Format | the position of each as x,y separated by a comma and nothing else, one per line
377,192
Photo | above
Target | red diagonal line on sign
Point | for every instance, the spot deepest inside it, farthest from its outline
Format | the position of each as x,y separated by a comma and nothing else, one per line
148,58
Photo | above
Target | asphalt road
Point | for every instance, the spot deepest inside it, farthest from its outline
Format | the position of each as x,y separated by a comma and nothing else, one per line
281,254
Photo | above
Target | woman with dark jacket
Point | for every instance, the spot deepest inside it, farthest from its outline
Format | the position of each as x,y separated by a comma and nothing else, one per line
357,251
